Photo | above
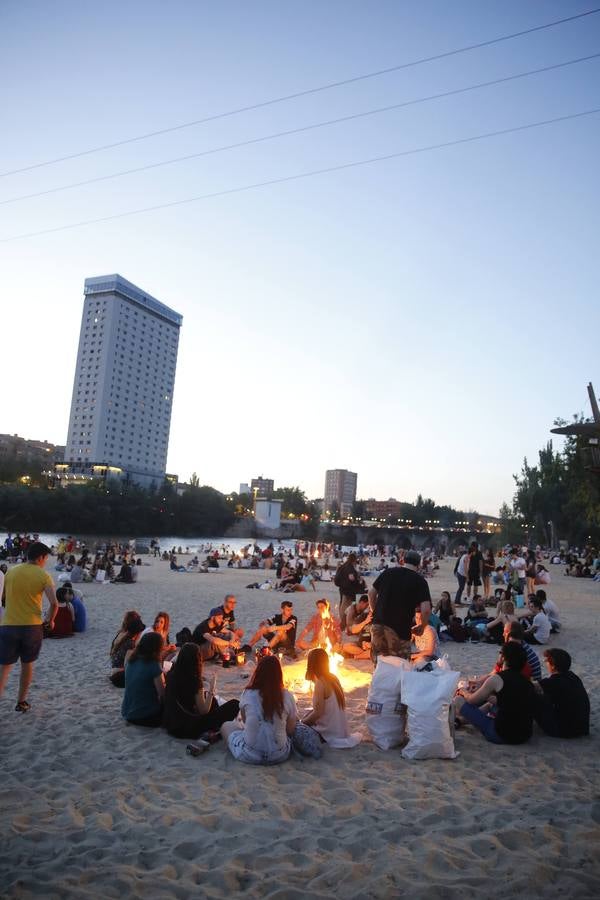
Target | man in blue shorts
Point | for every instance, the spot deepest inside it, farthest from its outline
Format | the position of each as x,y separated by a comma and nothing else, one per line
21,630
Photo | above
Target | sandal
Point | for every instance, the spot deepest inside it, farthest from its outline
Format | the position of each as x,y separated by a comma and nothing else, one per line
22,706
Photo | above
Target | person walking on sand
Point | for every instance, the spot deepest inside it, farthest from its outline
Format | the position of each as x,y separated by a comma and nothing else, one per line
21,630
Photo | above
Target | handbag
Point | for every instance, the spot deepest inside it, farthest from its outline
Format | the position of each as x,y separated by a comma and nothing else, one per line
306,741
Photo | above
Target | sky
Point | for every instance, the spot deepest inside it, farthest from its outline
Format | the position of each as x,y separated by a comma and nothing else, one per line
420,320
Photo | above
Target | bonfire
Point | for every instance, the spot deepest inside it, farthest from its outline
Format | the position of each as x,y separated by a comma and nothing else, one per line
350,678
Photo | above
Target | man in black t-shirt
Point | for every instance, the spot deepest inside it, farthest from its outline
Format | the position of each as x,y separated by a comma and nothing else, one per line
279,631
474,568
394,597
208,635
229,623
564,708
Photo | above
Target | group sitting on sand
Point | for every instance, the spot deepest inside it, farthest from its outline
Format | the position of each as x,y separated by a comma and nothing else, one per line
260,728
165,683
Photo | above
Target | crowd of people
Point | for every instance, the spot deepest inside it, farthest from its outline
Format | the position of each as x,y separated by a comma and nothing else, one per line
165,684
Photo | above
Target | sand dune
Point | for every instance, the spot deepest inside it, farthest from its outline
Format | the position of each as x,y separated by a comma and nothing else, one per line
94,808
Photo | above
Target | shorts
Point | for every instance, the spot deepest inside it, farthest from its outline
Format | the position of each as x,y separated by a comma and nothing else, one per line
22,642
476,581
385,642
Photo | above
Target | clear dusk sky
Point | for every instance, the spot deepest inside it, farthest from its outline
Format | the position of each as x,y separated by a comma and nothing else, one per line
420,320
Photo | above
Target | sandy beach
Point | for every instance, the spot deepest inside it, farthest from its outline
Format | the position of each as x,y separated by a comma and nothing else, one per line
94,808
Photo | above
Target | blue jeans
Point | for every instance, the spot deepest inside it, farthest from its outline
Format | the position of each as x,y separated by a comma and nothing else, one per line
485,723
461,586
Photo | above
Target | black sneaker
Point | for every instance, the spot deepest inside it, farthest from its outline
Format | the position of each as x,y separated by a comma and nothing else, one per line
22,706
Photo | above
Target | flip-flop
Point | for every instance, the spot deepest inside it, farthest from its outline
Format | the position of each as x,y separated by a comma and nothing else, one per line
22,706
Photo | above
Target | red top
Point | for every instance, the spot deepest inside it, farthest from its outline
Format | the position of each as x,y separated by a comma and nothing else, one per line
63,623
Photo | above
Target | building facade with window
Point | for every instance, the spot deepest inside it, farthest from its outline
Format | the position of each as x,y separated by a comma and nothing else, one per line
123,387
263,486
340,491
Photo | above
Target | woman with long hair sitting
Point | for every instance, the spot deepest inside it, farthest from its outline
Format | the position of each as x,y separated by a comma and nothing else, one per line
144,683
125,640
328,715
190,707
268,715
161,624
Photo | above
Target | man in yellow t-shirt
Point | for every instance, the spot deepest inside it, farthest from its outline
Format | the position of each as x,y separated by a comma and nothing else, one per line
21,629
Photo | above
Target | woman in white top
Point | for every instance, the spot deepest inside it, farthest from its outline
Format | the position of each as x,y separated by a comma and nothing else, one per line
425,639
551,610
328,715
269,717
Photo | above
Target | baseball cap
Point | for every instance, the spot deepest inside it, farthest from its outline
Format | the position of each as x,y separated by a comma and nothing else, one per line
217,611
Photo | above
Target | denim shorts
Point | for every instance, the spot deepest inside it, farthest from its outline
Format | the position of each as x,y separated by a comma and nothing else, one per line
22,642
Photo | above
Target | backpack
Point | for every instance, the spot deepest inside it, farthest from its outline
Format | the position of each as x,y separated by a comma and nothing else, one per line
457,631
339,577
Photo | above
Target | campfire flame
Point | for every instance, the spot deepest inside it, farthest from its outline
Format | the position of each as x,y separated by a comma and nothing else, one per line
350,677
335,659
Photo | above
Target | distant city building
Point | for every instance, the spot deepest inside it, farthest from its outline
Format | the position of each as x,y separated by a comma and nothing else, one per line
245,488
340,491
123,389
267,513
383,509
263,486
15,449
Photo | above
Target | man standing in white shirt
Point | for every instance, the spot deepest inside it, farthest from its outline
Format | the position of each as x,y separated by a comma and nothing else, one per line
518,566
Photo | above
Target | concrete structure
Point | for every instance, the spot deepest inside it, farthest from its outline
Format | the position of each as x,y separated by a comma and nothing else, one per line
263,486
123,388
244,488
267,513
340,491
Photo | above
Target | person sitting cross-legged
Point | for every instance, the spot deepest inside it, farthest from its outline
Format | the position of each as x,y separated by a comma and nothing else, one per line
328,715
190,707
538,630
358,618
510,719
563,707
211,636
144,682
269,716
322,627
424,638
279,631
65,615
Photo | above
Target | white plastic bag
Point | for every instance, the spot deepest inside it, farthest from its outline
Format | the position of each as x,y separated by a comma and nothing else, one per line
386,720
427,696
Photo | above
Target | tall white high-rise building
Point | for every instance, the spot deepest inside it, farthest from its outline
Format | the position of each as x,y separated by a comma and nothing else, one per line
123,389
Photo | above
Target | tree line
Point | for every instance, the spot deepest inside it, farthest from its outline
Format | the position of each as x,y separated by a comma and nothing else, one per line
557,499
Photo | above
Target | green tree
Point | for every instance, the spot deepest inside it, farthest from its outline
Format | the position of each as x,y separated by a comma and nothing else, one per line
294,501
